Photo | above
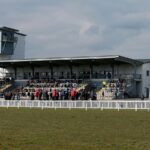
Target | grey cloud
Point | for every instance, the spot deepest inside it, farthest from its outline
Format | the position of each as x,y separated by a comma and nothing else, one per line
74,28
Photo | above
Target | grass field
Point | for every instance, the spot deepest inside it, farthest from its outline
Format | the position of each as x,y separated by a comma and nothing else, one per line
49,129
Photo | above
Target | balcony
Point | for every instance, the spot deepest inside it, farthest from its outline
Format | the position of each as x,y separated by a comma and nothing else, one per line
129,76
79,76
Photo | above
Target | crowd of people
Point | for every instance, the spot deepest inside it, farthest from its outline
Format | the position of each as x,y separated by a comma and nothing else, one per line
52,90
66,90
113,89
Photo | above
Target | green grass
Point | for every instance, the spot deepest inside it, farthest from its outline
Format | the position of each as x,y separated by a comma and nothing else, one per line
49,129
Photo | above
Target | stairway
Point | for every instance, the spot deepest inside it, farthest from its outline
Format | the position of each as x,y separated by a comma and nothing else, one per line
16,84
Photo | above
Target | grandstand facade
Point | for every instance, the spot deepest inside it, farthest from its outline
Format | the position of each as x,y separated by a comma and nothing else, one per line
115,75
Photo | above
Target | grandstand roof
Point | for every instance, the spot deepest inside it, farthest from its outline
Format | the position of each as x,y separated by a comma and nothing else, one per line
144,60
75,60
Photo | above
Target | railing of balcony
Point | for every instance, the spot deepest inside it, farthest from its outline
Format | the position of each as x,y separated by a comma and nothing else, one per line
129,76
83,76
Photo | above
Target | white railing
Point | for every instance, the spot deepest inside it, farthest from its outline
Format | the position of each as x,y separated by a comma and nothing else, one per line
136,105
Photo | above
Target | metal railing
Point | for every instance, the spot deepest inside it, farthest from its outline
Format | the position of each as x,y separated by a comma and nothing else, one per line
136,105
78,76
129,76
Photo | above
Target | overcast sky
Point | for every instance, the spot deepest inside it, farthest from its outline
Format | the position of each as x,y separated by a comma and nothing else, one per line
80,27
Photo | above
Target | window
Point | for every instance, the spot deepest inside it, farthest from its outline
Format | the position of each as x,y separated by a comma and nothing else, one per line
147,73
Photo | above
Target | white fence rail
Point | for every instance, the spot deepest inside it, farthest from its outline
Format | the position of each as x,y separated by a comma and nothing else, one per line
136,105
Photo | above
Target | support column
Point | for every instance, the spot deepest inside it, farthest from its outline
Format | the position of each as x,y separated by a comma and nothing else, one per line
32,68
51,70
113,71
134,70
70,66
15,72
91,71
118,74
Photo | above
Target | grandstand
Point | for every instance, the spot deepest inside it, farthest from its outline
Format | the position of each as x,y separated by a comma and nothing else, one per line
89,77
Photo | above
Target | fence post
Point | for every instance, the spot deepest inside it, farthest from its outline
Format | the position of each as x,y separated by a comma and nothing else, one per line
55,106
147,106
26,104
118,106
7,104
69,106
18,104
38,103
102,107
42,106
30,105
135,106
86,107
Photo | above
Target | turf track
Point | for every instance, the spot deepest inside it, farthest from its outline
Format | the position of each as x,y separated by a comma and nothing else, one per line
49,129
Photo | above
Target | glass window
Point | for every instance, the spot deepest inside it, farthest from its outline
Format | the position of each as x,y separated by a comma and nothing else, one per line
147,73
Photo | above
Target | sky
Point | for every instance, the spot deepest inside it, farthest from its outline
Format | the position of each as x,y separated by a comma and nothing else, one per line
64,28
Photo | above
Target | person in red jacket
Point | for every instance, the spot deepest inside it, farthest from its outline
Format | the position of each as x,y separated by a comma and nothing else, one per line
36,94
73,94
54,94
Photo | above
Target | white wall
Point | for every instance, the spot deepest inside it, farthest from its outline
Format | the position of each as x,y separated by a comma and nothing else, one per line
145,78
